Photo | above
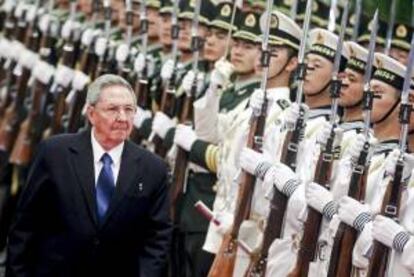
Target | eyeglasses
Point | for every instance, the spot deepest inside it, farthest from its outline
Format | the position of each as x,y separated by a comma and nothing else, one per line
115,111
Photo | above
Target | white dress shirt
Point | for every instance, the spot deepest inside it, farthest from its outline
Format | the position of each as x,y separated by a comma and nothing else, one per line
98,151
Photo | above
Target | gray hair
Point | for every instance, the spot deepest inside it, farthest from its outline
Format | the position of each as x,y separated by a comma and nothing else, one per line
104,81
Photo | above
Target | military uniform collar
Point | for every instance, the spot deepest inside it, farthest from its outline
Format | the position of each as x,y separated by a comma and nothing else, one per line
357,125
320,111
278,93
386,146
241,85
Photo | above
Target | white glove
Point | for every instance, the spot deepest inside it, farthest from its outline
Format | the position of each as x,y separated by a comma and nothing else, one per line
140,63
44,22
31,13
64,75
350,210
280,174
226,221
325,133
256,100
250,160
385,229
28,58
80,80
43,72
317,196
292,114
362,248
167,70
67,29
391,161
122,52
221,73
140,116
188,81
161,124
184,136
100,46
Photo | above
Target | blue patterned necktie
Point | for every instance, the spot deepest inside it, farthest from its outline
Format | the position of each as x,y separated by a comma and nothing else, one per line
105,187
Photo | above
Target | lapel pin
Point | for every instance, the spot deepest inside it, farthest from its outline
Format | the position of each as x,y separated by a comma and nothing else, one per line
140,187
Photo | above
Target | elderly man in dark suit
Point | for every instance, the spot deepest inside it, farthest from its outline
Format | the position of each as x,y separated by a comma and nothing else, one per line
95,204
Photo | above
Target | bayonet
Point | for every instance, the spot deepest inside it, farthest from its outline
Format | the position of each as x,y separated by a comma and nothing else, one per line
358,13
294,9
336,82
390,29
129,21
230,31
367,104
301,71
332,16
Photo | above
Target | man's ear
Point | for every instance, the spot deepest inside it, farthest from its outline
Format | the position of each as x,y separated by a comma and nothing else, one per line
90,112
292,64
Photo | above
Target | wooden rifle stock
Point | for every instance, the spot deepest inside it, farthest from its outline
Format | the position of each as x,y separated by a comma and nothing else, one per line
87,66
390,208
14,113
30,130
313,221
68,60
341,258
167,105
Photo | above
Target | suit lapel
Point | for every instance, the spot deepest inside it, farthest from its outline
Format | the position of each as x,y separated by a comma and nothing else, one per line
82,162
127,176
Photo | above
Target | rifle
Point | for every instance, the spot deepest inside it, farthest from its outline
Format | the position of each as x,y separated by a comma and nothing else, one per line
102,44
168,95
31,128
181,160
323,168
61,85
88,64
278,204
15,112
390,30
341,259
11,63
123,50
141,84
391,201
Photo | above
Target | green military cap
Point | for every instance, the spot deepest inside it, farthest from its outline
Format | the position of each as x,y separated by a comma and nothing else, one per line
156,4
366,27
389,70
249,28
166,7
283,30
207,10
283,6
324,43
402,36
357,56
223,16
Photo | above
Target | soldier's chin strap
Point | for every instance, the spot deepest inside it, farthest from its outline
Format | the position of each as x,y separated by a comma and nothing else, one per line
355,105
389,112
281,70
